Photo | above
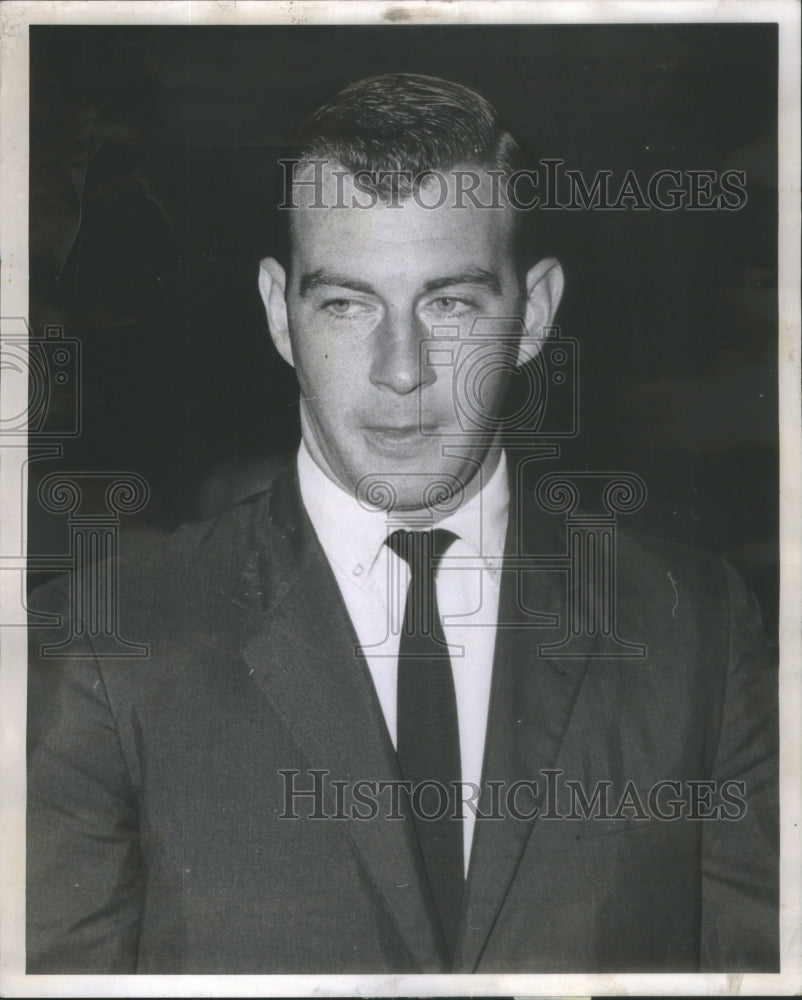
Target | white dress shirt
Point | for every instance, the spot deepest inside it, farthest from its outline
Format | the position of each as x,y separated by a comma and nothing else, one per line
374,581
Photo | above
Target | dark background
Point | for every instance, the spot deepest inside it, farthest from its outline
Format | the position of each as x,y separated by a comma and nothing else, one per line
152,185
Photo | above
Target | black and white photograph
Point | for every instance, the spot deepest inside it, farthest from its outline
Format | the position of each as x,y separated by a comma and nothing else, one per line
400,452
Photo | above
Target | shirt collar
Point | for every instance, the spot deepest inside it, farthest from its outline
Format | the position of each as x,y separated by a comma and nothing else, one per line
352,535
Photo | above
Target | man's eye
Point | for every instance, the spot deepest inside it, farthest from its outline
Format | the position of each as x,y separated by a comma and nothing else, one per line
345,308
449,305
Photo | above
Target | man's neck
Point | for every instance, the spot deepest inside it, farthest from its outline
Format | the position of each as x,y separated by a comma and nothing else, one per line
345,525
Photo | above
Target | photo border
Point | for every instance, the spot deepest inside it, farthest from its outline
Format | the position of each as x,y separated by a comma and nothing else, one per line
15,18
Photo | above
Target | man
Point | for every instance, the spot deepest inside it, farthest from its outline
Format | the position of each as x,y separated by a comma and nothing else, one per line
359,742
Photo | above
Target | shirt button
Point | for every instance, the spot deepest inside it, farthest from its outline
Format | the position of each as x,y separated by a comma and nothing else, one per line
358,569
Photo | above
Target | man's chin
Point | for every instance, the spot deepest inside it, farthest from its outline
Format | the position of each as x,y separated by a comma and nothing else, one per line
402,491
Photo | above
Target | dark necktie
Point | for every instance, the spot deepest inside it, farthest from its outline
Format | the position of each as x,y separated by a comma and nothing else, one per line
428,731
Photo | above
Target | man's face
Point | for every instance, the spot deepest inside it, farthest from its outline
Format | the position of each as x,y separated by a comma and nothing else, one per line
368,287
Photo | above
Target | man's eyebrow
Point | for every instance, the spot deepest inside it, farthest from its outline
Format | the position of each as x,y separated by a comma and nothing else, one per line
473,276
320,277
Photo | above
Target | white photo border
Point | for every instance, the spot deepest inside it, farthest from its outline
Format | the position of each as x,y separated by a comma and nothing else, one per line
15,18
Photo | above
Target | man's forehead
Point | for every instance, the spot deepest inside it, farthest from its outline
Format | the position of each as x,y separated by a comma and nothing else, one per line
460,203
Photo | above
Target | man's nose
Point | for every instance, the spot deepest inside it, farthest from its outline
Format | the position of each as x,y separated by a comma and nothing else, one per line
398,363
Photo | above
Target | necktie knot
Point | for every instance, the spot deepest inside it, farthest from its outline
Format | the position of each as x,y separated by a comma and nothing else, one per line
422,550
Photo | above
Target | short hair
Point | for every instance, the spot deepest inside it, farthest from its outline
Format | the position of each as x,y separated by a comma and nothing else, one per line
401,124
407,123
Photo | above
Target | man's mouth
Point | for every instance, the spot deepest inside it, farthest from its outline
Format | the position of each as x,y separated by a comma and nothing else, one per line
398,438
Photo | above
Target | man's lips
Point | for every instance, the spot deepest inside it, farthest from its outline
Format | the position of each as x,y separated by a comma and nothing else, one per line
398,437
400,431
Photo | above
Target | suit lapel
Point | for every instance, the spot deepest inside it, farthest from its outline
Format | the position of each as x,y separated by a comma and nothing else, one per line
532,698
303,659
300,646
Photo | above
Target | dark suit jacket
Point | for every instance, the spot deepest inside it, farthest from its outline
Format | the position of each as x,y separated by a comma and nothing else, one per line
156,837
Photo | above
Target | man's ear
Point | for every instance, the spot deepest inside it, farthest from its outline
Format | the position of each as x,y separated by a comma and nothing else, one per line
272,288
544,289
